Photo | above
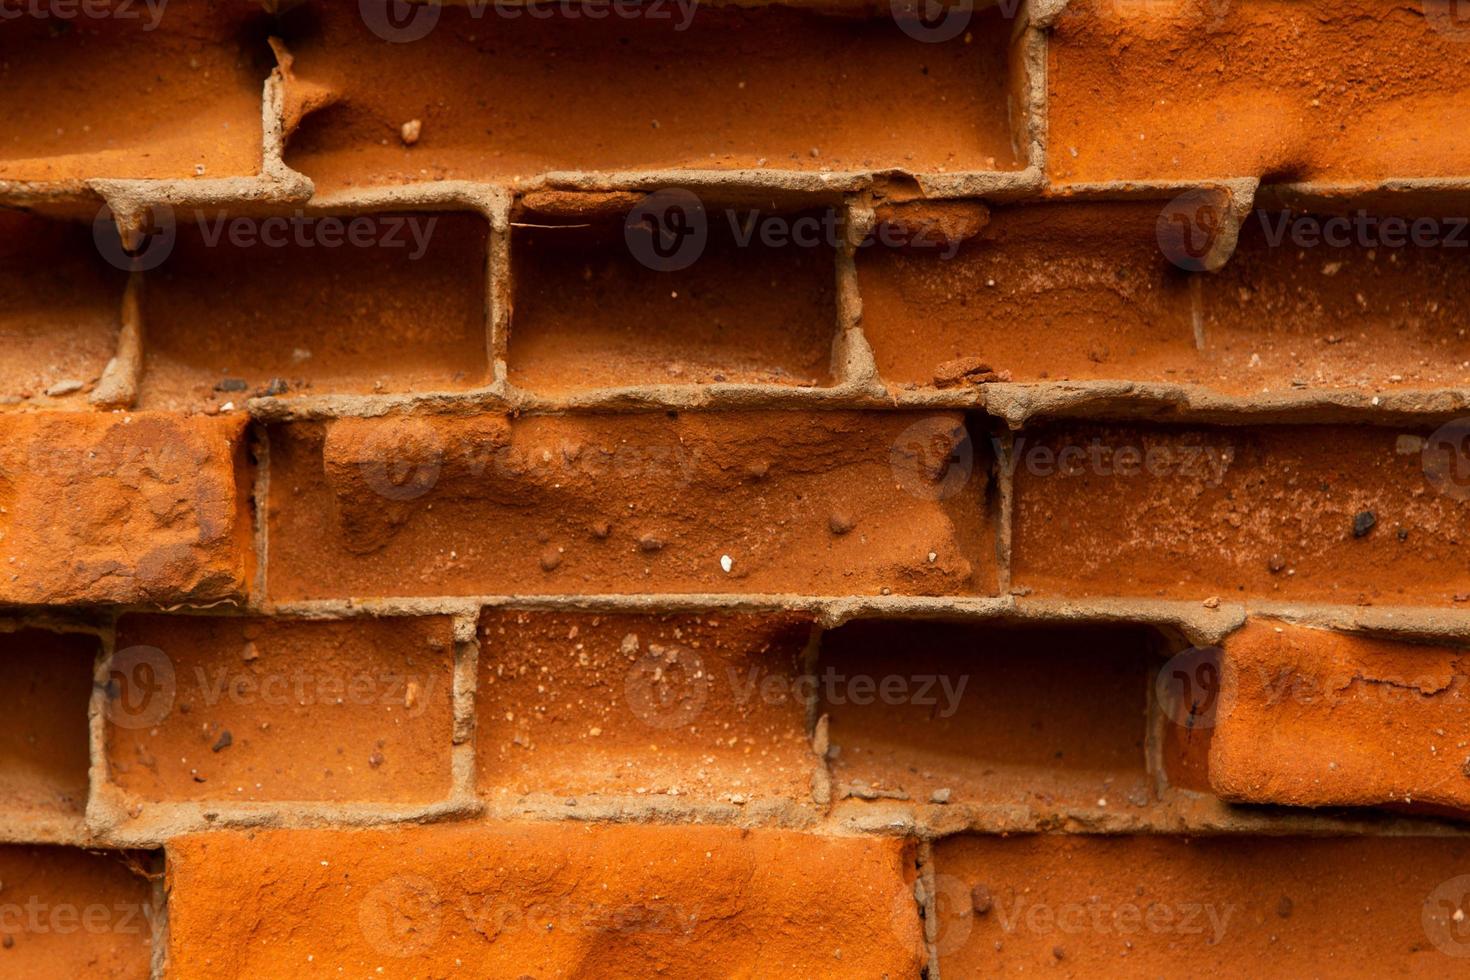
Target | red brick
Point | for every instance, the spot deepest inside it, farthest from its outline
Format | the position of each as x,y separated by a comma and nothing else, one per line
1083,906
705,706
44,741
633,503
617,901
1315,718
113,508
254,709
992,714
1248,513
68,913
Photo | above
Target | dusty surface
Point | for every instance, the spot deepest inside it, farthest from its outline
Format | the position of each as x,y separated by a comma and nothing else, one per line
43,722
689,707
72,913
125,508
80,103
1264,513
319,315
589,504
1218,89
991,715
733,89
1320,718
577,900
59,311
588,314
273,709
1142,907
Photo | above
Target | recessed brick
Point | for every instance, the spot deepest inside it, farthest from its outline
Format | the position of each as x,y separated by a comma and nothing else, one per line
620,900
1179,90
703,706
74,913
992,714
254,709
318,305
720,88
59,309
1316,718
67,118
1253,513
1151,906
44,754
601,504
754,304
136,508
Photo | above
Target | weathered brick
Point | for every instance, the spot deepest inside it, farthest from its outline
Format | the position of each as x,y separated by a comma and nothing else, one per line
991,714
618,901
706,87
1248,513
592,312
819,503
1314,717
44,755
318,305
71,913
255,709
1084,906
113,508
706,706
1177,90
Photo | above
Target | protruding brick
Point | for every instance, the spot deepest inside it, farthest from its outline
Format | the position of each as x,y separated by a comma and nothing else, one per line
1085,906
114,508
708,706
252,709
614,900
817,503
44,754
74,913
1313,717
1331,513
989,714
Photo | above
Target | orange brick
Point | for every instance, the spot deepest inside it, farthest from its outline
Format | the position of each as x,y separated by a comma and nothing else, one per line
1083,906
1331,513
251,709
825,502
44,753
113,508
615,900
705,707
1312,717
68,913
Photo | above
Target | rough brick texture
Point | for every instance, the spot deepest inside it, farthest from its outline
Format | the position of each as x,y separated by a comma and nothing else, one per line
742,489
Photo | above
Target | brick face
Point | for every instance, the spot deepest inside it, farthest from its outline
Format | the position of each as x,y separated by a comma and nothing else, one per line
820,488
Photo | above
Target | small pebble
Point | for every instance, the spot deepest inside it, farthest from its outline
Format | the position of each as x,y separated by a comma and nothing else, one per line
939,796
726,563
63,388
409,132
1363,522
840,523
980,899
224,742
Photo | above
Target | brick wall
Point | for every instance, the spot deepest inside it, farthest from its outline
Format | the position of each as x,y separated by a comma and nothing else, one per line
601,489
